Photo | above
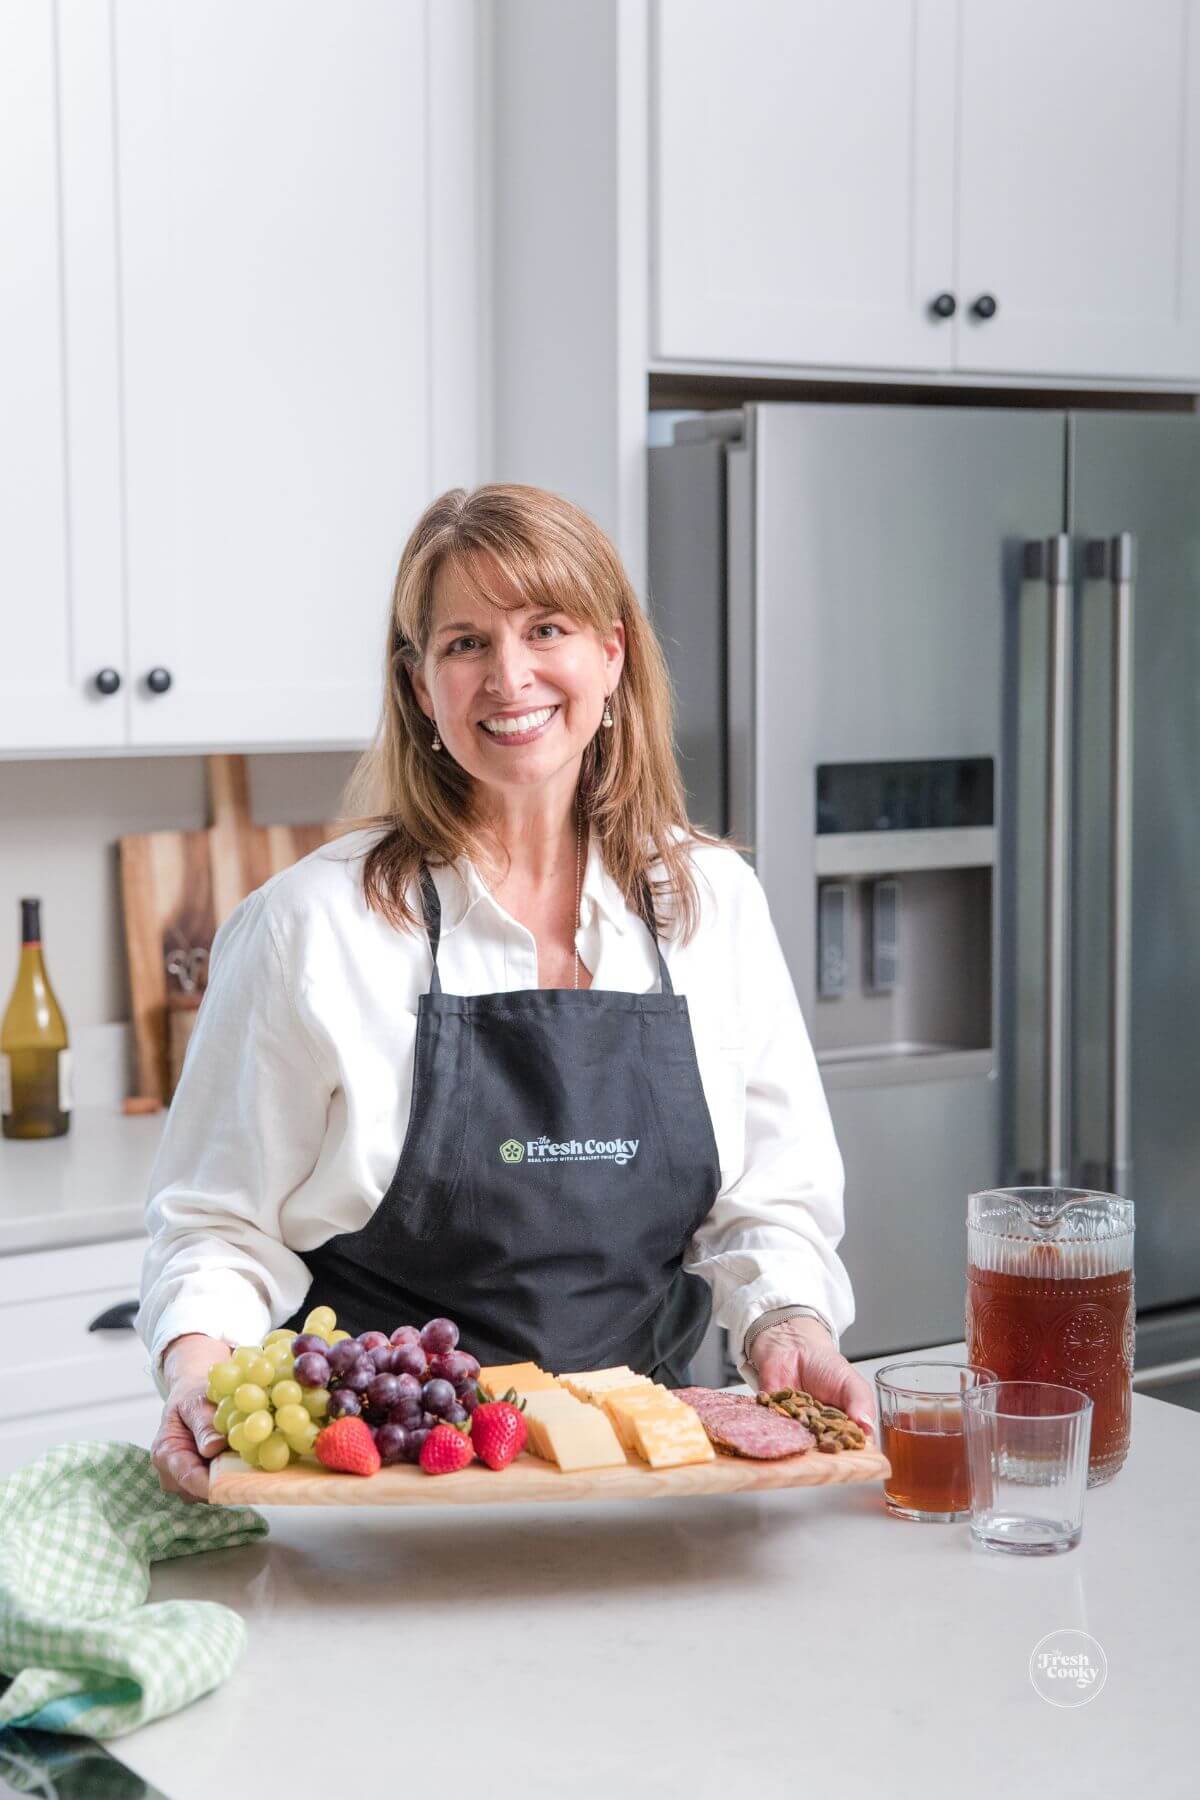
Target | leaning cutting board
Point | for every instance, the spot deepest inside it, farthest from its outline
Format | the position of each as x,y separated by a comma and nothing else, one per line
530,1481
178,886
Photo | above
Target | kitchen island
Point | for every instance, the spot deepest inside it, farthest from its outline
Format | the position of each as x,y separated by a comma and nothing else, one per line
773,1644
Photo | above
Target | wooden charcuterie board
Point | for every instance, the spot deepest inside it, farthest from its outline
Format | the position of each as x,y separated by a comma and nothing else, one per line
530,1481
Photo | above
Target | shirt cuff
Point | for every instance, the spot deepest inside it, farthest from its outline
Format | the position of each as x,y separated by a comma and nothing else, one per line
234,1321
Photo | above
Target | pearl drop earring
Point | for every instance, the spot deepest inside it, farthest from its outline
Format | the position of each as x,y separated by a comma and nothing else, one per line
607,719
437,742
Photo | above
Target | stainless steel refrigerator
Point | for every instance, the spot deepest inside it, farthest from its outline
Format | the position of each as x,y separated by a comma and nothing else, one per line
938,669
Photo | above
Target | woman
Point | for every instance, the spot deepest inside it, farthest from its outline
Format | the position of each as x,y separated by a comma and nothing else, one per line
522,1048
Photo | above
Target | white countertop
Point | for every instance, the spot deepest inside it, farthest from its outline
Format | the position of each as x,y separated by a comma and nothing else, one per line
777,1644
82,1188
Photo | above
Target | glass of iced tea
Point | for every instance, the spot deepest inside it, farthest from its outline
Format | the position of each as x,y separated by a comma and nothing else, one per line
921,1434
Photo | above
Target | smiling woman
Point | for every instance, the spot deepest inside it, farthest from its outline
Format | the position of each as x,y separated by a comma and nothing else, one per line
607,1125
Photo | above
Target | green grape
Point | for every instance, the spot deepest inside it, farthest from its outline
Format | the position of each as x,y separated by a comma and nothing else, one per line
337,1337
315,1402
225,1376
235,1418
258,1427
275,1454
244,1355
285,1367
303,1440
286,1393
292,1418
211,1394
262,1372
235,1439
283,1335
278,1352
221,1418
321,1319
249,1454
250,1397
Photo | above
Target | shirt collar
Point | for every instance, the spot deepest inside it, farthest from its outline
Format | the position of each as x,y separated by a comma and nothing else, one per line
460,888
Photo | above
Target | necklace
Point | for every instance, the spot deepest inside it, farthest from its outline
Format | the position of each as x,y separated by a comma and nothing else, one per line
578,886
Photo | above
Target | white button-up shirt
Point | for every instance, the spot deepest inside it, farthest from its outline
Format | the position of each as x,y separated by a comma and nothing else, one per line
291,1110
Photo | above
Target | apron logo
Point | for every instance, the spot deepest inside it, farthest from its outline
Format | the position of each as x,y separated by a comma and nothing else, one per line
543,1150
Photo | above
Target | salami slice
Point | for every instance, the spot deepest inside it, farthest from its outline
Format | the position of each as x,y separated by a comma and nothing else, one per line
737,1424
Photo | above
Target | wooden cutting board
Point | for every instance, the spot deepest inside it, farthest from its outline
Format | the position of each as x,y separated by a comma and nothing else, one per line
531,1481
178,886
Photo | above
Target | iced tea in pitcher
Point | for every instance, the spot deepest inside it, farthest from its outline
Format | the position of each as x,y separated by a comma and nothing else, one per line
1050,1298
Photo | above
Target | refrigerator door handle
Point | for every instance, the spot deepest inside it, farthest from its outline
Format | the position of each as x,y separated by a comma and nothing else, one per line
1060,595
1123,571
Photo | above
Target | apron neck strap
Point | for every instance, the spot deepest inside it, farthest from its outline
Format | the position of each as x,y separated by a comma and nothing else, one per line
431,906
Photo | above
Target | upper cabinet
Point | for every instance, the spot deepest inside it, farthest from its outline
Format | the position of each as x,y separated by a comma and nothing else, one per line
239,301
928,185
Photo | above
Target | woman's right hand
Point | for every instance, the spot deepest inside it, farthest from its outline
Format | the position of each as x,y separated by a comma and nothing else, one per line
186,1441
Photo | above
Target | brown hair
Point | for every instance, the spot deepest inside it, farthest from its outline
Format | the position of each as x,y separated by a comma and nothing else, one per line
630,791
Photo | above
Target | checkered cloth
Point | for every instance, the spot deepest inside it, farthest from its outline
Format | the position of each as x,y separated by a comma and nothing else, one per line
79,1529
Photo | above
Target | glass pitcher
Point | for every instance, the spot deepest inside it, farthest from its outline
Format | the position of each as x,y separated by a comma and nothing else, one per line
1050,1298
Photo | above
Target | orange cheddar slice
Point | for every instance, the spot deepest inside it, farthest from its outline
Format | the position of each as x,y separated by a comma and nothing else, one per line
524,1378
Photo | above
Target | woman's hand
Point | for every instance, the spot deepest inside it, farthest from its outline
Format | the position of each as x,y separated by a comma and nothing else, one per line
186,1439
799,1353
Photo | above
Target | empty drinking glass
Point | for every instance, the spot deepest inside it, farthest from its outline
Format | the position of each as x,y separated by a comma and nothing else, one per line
1027,1464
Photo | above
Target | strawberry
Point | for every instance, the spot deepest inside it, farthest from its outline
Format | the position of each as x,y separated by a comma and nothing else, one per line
499,1431
446,1450
348,1446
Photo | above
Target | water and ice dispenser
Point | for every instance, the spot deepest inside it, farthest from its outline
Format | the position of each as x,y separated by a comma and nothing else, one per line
904,869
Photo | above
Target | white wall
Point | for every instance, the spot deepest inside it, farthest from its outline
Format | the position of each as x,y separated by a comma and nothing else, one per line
59,825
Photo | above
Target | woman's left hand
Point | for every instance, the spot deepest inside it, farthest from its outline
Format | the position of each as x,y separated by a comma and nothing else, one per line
799,1353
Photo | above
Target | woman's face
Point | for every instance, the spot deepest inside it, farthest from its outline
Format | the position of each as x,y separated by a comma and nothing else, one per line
516,695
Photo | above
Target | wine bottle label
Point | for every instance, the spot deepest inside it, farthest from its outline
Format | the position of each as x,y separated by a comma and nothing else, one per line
6,1105
65,1083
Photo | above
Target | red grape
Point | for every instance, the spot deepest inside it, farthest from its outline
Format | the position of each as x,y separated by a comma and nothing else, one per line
360,1375
344,1355
308,1340
454,1365
456,1414
344,1403
408,1387
392,1443
382,1356
468,1397
409,1359
406,1412
415,1440
373,1340
406,1334
312,1370
439,1397
439,1334
384,1391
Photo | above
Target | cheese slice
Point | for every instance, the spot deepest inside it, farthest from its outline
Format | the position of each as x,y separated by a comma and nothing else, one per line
589,1384
524,1378
565,1431
652,1424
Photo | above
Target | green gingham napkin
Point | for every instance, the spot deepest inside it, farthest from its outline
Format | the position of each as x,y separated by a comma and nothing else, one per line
79,1529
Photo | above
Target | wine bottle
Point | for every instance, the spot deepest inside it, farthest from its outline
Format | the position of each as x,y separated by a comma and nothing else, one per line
35,1061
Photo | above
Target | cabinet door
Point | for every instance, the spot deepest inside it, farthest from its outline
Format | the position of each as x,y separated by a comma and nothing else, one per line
275,339
803,181
60,557
1079,187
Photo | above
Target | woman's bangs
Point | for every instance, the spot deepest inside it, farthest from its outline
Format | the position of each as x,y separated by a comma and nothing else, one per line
515,575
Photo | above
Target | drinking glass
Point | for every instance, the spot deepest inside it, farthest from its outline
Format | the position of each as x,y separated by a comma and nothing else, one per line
1027,1464
921,1434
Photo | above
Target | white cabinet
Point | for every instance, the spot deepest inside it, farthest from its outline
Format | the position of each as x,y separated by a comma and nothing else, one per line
233,260
1079,188
61,1378
823,172
803,175
61,618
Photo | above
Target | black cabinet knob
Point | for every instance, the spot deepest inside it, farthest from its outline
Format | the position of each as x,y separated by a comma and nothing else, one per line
158,680
944,306
985,307
107,681
116,1318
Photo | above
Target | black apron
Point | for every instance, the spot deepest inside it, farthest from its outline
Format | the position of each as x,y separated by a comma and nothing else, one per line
558,1158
